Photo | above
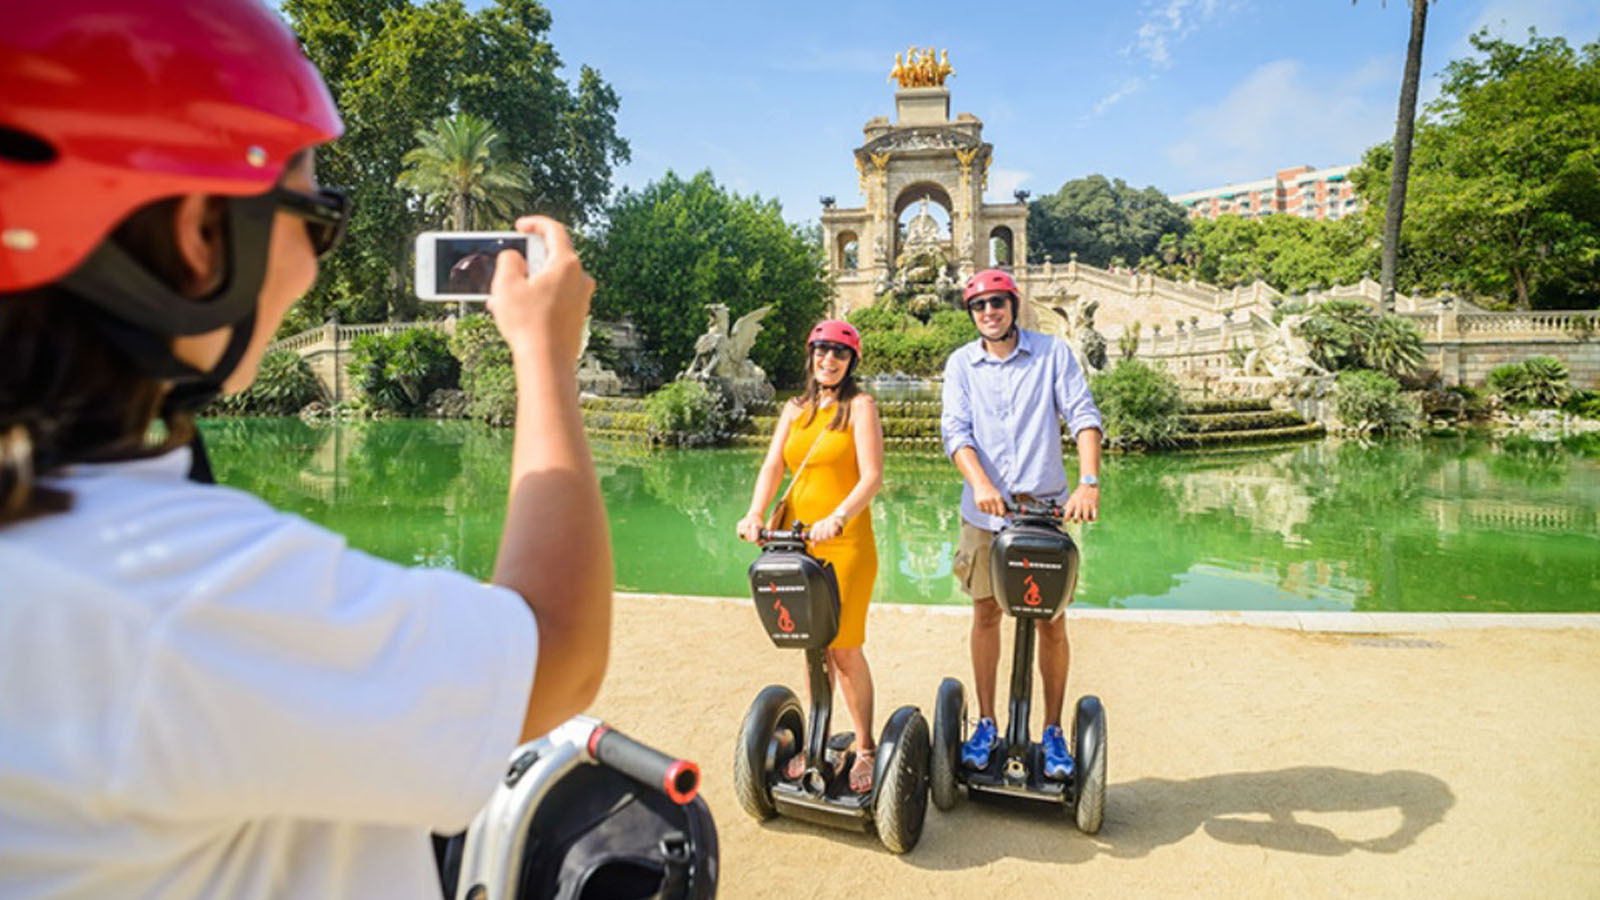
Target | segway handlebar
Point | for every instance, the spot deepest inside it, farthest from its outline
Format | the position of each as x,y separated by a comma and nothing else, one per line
1051,510
800,533
679,779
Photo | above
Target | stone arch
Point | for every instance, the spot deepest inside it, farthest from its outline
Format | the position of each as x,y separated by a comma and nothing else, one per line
847,252
911,195
1002,247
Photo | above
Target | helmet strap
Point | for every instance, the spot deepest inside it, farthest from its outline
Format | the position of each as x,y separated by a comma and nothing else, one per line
113,280
140,313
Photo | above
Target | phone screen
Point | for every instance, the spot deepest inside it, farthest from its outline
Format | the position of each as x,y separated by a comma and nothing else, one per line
465,265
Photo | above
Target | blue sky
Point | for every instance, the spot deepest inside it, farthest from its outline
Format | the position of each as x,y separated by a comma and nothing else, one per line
1180,94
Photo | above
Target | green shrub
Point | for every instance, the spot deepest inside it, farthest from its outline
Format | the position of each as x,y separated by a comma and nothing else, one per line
1583,404
687,413
1140,404
899,342
397,372
486,373
1344,334
1370,402
284,384
1536,382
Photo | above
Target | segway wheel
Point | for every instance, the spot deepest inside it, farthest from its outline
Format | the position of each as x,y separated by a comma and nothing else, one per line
949,714
900,793
761,755
1089,750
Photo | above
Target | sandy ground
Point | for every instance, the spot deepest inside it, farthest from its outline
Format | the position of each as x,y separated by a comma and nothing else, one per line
1244,761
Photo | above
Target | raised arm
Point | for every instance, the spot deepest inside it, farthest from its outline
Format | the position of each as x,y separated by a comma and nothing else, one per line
555,549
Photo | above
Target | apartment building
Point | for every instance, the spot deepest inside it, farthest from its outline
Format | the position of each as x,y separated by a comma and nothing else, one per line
1299,191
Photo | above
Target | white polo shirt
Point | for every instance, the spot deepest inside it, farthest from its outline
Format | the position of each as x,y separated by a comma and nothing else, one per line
201,696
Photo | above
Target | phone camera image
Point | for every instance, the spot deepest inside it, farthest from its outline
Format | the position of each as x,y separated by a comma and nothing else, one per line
466,265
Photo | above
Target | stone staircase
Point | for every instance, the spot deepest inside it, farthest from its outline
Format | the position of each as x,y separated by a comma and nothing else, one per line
913,426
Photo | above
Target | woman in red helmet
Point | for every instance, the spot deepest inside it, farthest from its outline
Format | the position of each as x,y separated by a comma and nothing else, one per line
830,437
202,696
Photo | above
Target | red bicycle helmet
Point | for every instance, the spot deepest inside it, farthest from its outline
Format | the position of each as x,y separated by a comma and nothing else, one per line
109,105
839,332
987,282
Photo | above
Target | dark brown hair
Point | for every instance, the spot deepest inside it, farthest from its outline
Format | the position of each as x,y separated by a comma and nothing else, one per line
69,395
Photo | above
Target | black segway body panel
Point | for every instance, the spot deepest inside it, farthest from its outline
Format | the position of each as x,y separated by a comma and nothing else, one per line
797,596
1034,567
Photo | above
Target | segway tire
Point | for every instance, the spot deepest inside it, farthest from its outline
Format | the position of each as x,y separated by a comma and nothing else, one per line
1089,750
949,714
756,762
900,793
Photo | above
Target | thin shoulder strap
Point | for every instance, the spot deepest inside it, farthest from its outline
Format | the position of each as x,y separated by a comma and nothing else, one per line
803,463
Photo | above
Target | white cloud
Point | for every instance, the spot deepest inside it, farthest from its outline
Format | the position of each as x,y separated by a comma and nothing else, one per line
1003,181
1167,23
1117,95
1277,117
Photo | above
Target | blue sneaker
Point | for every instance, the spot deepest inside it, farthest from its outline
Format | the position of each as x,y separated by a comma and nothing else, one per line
975,752
1057,761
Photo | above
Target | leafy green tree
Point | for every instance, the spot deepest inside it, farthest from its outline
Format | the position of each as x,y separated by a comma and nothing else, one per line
284,384
393,67
1099,219
457,172
1504,196
676,245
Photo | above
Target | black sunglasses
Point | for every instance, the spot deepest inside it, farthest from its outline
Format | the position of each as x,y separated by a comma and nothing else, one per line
979,304
837,351
326,214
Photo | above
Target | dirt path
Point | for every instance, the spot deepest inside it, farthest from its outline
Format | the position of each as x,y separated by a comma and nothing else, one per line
1243,761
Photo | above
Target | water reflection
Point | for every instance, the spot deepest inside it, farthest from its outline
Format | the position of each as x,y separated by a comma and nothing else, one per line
1439,525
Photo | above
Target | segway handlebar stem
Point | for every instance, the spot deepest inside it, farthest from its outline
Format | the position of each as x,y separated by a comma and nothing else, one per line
679,779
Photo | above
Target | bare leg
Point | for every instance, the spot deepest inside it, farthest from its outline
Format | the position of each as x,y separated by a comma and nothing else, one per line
1054,655
986,616
855,678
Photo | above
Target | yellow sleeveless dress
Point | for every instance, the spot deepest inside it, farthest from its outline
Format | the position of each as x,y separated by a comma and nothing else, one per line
829,477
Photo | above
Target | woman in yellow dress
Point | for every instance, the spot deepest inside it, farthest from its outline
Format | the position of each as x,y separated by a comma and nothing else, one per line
831,436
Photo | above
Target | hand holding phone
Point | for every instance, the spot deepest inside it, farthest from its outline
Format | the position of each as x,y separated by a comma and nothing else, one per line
543,311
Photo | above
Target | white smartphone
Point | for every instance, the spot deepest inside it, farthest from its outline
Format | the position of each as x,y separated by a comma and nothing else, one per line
459,265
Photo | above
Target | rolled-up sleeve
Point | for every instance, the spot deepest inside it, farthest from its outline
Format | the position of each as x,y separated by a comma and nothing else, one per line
1073,397
955,421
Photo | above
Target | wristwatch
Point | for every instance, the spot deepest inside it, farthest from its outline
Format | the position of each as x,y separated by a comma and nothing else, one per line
1090,480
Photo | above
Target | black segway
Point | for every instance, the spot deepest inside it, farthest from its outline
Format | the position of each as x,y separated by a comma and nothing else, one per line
586,811
797,596
1034,566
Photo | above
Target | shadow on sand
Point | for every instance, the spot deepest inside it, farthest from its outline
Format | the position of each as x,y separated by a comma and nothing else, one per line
1263,809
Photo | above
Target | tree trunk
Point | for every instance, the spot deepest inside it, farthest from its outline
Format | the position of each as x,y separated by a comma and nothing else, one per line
1399,173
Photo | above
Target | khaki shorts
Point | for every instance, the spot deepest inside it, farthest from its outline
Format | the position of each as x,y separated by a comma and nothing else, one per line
971,565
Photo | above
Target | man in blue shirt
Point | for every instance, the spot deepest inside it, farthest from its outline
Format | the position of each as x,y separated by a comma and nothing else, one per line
1005,396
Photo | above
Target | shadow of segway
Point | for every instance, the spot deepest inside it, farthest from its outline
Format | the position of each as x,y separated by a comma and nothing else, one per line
1262,809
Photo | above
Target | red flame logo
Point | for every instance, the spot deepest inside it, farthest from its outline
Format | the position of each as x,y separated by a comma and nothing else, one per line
1031,596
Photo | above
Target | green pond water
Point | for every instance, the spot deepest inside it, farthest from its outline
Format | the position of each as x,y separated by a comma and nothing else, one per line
1436,525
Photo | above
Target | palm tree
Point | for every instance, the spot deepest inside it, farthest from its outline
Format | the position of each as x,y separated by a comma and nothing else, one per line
455,169
1400,170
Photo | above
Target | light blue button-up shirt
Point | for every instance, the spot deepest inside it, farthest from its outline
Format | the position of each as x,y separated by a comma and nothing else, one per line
1010,411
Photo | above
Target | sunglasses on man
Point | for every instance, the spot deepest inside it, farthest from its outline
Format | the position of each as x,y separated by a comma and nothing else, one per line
982,303
326,215
837,351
